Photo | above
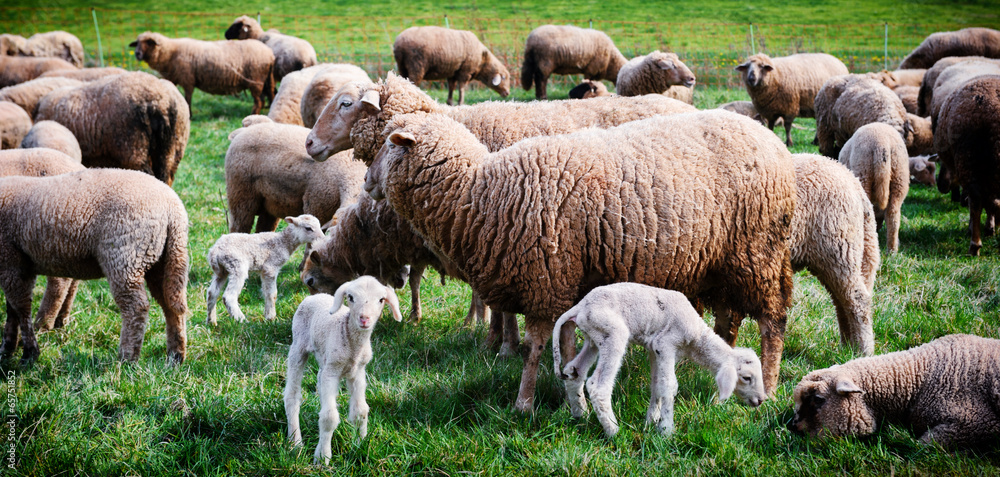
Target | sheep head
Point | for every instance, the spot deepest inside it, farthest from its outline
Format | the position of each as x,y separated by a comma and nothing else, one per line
744,377
305,228
756,68
147,46
494,74
922,169
829,402
366,298
676,71
12,45
244,28
332,132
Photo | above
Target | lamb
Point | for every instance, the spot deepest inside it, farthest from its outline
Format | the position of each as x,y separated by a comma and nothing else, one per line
967,141
53,44
324,86
589,199
588,89
946,391
27,95
567,50
18,69
340,338
88,224
845,104
270,175
84,74
922,170
358,114
653,74
290,53
923,136
235,255
663,322
786,86
144,122
215,67
964,42
14,125
926,94
435,53
953,77
52,135
877,156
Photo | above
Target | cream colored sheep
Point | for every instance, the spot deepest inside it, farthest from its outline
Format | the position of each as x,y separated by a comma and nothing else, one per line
27,95
53,44
18,69
52,135
846,103
324,86
964,42
653,74
290,53
287,107
567,50
85,74
910,77
14,125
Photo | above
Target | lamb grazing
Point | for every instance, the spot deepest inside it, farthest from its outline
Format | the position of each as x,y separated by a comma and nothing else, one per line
84,74
663,322
88,224
215,67
908,95
653,74
27,95
52,135
435,53
14,125
53,44
589,198
290,53
877,156
923,136
786,86
588,89
845,104
967,141
144,122
235,255
339,337
954,77
922,170
270,175
926,94
324,86
946,391
567,50
357,116
18,69
964,42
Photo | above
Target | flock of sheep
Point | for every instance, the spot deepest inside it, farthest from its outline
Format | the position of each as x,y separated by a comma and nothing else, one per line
542,207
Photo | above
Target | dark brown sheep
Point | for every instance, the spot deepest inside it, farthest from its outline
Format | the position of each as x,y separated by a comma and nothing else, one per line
964,42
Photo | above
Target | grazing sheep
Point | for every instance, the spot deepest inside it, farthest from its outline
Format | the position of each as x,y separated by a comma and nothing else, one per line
324,86
964,42
435,53
290,53
847,103
234,256
270,175
84,74
340,338
27,95
877,156
14,125
215,67
923,136
606,206
662,321
946,391
653,74
786,86
953,77
143,125
967,141
922,170
18,69
53,44
567,50
52,135
926,94
588,89
908,95
89,224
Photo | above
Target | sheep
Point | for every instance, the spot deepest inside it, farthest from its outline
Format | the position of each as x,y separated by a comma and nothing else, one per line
290,53
953,77
89,224
567,50
435,53
923,136
340,338
786,86
286,107
746,109
85,74
877,156
605,206
967,141
653,74
53,44
14,125
588,89
663,322
357,116
846,103
926,93
911,77
964,42
922,170
908,95
52,135
234,256
143,122
18,69
680,93
270,175
298,98
27,95
215,67
946,391
324,86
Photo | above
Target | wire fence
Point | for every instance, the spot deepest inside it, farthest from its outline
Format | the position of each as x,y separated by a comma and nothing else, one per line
711,50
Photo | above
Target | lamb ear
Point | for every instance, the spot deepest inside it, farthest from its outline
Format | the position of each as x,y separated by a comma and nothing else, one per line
497,79
338,297
371,98
393,300
766,67
289,220
402,138
726,381
847,386
743,67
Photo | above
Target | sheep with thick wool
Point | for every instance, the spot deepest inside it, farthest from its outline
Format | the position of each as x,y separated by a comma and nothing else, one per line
143,123
954,77
287,105
435,53
846,103
926,94
323,86
604,206
85,74
653,74
52,135
290,53
27,95
53,44
964,42
18,69
14,125
568,50
89,224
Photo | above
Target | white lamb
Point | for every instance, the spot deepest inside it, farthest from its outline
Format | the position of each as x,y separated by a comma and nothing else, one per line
340,338
665,323
234,255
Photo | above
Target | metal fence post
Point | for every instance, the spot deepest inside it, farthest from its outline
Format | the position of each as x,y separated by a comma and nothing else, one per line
446,24
753,46
885,56
100,50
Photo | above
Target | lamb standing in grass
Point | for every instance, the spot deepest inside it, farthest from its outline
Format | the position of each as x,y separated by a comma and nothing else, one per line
340,338
235,255
665,323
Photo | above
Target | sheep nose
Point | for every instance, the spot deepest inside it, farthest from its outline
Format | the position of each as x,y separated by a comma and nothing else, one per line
795,429
309,143
689,83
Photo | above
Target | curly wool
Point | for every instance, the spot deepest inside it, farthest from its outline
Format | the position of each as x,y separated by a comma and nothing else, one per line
53,44
14,125
18,69
567,50
964,42
290,53
845,104
956,76
52,135
652,74
27,95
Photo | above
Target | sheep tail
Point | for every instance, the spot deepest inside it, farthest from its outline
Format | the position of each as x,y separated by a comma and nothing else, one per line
175,265
570,315
881,176
528,70
870,254
162,126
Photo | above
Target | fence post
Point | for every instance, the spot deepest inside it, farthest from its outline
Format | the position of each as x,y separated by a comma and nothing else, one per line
885,56
100,50
591,23
258,18
446,24
753,46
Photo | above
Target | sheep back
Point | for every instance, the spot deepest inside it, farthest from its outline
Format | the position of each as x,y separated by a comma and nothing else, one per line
926,94
85,74
52,135
38,162
964,42
27,95
55,44
18,69
14,125
286,107
435,53
954,77
566,50
290,53
862,101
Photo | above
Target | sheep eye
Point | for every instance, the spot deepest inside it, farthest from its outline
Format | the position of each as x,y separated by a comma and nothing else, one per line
747,379
350,298
381,300
345,104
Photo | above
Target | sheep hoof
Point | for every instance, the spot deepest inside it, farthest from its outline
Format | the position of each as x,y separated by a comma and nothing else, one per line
506,351
29,356
974,249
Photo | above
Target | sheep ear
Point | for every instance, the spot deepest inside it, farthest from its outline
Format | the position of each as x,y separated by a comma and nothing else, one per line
665,64
847,386
290,220
371,98
393,300
497,79
726,381
932,157
133,44
766,67
743,67
402,138
338,297
314,258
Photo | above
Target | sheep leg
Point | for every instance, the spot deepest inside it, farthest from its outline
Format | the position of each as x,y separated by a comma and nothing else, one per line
63,318
451,89
56,290
575,373
295,363
602,382
946,434
176,322
772,343
511,337
231,296
477,311
663,388
496,331
541,84
416,275
536,333
17,287
853,303
975,217
269,289
212,294
727,324
188,93
788,130
328,383
358,407
266,223
131,299
892,216
461,92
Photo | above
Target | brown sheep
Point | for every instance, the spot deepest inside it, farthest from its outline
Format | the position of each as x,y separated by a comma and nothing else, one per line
27,95
53,44
926,94
845,103
85,74
653,74
567,50
908,95
954,77
18,69
964,42
290,53
323,86
52,135
14,125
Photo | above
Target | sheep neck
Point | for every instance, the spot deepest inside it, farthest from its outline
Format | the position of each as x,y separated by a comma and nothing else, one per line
286,240
709,351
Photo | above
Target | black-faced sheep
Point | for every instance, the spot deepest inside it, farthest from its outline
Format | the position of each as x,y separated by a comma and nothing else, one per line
785,87
85,74
14,125
290,53
588,89
89,224
27,95
53,44
947,391
215,67
144,122
323,86
653,74
18,69
603,206
964,42
567,50
846,103
435,53
52,135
